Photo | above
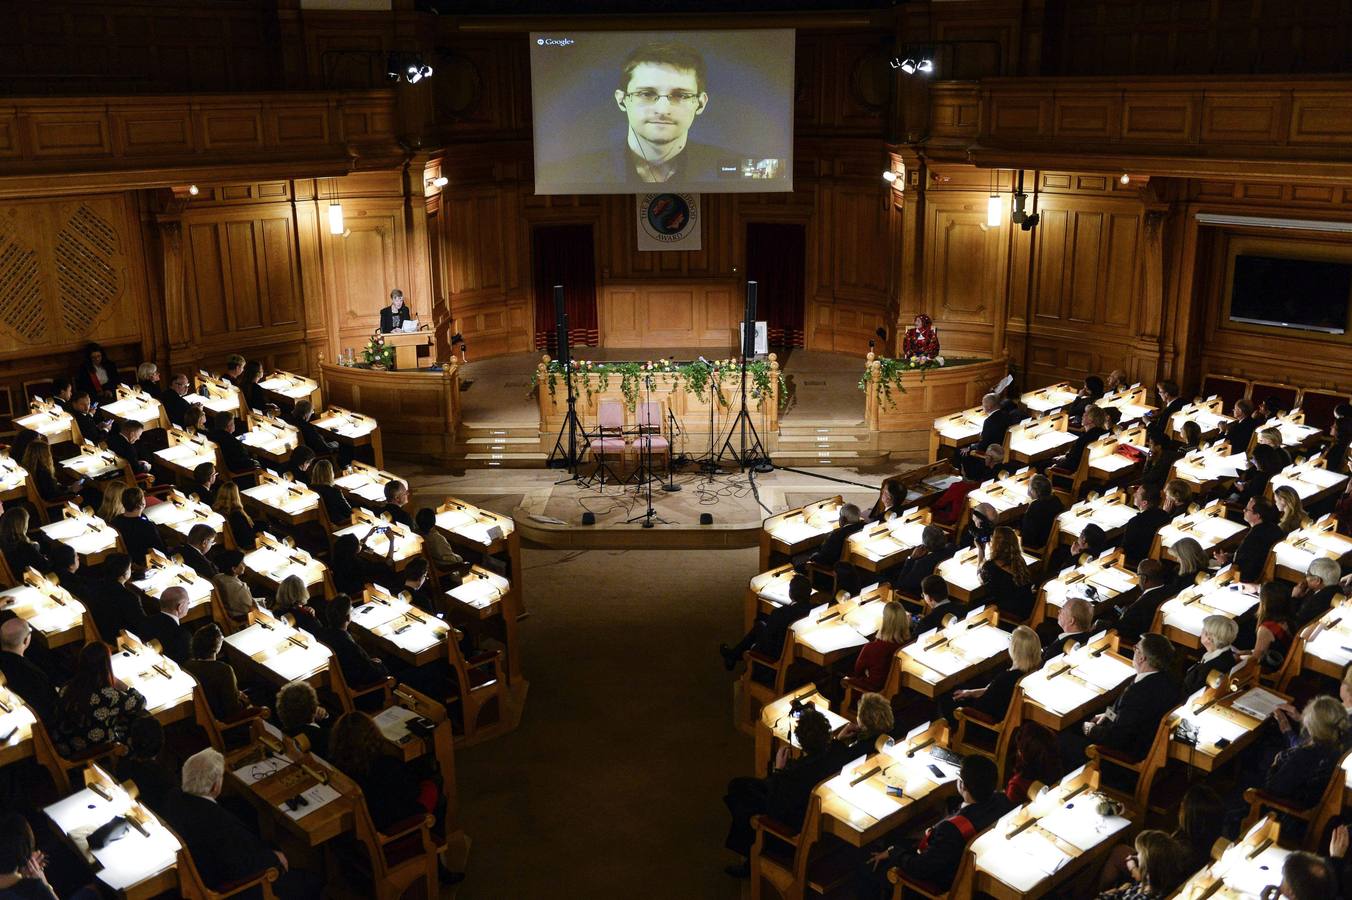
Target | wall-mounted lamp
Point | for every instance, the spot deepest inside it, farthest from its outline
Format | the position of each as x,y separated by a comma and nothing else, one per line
890,177
1125,179
439,182
336,226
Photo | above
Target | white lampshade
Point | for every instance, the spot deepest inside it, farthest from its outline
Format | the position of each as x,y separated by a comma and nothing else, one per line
336,218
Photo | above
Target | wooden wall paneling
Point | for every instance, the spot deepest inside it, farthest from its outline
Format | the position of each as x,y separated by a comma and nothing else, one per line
687,313
965,271
363,266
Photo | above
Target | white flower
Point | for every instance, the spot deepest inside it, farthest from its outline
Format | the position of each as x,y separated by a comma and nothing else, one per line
939,360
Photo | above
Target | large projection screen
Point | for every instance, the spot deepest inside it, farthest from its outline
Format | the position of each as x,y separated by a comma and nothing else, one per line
696,111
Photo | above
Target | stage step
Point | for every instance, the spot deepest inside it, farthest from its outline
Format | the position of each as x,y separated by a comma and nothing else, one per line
482,442
509,460
829,457
470,430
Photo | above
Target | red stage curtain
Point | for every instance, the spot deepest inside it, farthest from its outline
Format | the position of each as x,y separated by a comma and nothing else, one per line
562,254
774,259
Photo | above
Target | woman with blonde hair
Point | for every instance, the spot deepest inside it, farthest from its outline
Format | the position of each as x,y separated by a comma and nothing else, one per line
874,662
195,419
335,504
230,504
1159,865
1007,578
1291,510
293,599
872,719
37,461
1191,561
21,552
112,507
1025,655
1299,774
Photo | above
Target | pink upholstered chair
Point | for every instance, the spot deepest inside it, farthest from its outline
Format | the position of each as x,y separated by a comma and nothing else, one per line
650,429
607,445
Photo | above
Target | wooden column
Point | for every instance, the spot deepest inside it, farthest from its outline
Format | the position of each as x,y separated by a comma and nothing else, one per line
169,223
1152,352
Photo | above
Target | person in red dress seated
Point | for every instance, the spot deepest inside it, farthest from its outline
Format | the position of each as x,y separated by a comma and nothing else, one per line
875,657
921,339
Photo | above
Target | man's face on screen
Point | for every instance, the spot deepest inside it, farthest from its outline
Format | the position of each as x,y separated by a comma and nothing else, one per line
661,102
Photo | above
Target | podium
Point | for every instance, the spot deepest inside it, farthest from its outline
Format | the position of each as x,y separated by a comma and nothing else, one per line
406,344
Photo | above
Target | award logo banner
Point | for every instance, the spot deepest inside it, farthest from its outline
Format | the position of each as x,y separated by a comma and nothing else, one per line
668,222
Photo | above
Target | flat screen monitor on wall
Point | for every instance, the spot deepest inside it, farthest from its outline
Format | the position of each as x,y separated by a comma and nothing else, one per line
1281,292
642,112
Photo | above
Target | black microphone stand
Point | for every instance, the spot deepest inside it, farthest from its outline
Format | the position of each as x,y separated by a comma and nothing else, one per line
671,486
645,457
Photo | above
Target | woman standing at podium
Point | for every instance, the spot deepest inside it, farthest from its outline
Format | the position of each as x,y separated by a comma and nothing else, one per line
393,317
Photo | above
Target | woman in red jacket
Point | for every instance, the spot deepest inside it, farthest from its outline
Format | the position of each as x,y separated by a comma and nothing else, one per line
875,657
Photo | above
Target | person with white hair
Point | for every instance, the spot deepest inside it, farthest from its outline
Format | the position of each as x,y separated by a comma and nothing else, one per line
1314,594
1218,638
224,850
1076,621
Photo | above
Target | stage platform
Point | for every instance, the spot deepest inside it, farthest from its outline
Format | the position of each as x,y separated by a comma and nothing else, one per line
734,498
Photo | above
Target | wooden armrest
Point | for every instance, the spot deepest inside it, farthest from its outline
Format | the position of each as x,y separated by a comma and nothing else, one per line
775,827
973,714
268,876
248,715
1116,757
483,659
755,656
405,827
1257,797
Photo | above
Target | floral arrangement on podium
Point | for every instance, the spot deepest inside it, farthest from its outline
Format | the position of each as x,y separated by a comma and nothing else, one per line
884,374
376,353
699,377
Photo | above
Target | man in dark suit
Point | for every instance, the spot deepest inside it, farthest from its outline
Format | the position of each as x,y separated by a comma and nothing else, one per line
22,676
920,563
1135,618
1139,534
786,793
165,626
123,440
935,859
938,604
194,550
90,428
234,454
1090,393
224,851
139,534
1264,534
1094,428
204,484
396,498
1076,621
767,635
217,678
359,668
1129,725
172,398
849,520
1315,593
1218,636
1170,403
1041,514
1239,433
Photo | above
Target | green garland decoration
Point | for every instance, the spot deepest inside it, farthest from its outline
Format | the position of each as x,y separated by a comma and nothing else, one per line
700,378
890,372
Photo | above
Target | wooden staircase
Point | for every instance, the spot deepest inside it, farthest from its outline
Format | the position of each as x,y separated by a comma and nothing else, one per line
499,447
826,443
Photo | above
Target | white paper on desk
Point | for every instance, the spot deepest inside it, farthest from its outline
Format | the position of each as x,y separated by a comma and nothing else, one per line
1112,516
1023,860
793,531
318,795
1257,702
1332,645
393,723
812,619
866,619
1213,726
1103,672
1061,694
1079,824
982,642
373,615
863,796
415,639
1249,876
255,772
299,662
1113,579
136,857
1231,600
481,592
1187,618
944,483
939,659
84,811
833,637
916,771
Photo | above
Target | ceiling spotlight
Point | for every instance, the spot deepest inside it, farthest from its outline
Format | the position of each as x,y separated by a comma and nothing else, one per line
1125,179
890,177
408,66
192,189
925,66
906,65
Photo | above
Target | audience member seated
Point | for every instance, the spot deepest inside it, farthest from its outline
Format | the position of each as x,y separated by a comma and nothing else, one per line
394,792
1240,431
1035,760
1306,876
1176,497
1275,631
193,551
123,440
992,701
1135,618
22,676
21,863
1263,534
1291,513
784,794
396,498
874,661
234,367
300,463
872,720
1190,434
1094,428
1140,531
139,534
224,851
147,765
172,398
1218,652
1128,726
93,711
1340,436
235,595
302,415
1299,774
1005,575
1161,454
359,668
92,429
1041,513
1090,543
920,562
166,625
1076,621
415,580
1315,592
299,713
62,390
769,632
1170,403
1192,561
195,420
336,506
97,374
204,482
980,524
114,606
216,676
985,466
891,501
934,860
1265,462
65,563
293,599
1090,393
230,504
21,552
37,462
148,378
234,454
1159,866
849,520
938,604
996,424
435,545
110,504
